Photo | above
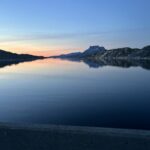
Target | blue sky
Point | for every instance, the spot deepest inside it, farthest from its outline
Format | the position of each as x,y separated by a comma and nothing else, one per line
51,25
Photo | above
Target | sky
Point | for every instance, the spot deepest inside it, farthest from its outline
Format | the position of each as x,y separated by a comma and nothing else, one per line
51,27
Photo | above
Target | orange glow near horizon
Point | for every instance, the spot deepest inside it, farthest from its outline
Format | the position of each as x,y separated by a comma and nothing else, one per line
49,53
36,51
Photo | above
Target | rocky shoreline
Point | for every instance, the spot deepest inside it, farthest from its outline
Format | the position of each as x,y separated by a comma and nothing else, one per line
97,56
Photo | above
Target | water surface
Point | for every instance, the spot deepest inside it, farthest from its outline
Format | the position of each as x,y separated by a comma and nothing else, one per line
54,91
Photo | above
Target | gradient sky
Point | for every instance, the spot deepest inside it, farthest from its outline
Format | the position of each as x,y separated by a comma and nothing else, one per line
48,27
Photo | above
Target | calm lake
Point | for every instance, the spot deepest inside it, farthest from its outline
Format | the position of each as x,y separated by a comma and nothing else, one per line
54,91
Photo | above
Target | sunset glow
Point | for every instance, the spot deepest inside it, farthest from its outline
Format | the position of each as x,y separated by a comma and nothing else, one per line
60,28
74,74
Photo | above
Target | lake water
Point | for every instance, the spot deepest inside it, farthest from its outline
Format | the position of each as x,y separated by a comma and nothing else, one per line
54,91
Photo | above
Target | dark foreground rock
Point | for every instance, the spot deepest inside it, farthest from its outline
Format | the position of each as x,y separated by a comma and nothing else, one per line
71,138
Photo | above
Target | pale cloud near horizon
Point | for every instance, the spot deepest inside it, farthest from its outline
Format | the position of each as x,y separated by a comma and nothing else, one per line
55,36
75,41
44,36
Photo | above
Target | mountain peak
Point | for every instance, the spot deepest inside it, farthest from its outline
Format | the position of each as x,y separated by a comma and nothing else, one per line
92,50
96,47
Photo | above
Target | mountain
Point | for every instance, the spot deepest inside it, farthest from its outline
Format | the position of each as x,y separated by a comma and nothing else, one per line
71,55
126,53
4,55
91,51
97,52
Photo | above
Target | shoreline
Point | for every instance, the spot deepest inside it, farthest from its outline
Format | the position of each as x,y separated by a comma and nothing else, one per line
43,137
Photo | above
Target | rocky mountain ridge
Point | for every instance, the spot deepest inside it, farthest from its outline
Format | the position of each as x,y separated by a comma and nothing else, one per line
97,52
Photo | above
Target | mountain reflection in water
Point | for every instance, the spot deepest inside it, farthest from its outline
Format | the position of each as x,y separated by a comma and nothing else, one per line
124,63
5,63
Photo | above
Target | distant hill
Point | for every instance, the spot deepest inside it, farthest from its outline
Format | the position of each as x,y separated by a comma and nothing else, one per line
91,51
4,55
97,52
